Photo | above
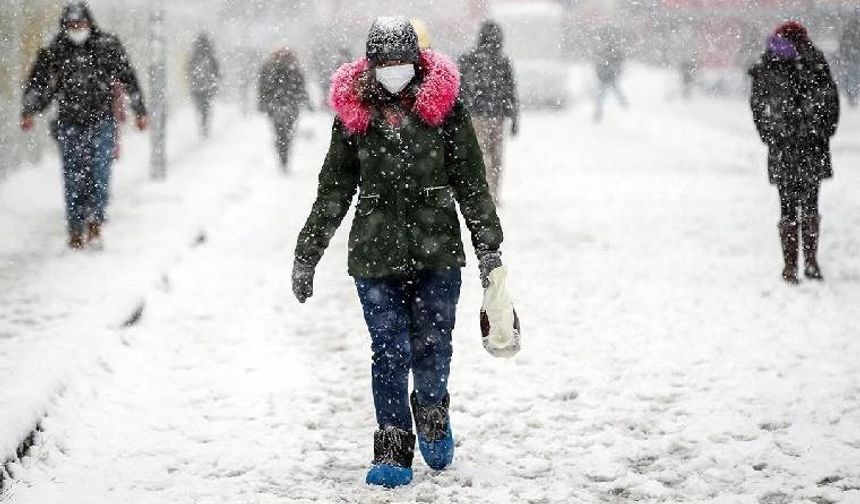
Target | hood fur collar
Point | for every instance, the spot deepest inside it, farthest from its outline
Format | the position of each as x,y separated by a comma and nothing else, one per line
433,102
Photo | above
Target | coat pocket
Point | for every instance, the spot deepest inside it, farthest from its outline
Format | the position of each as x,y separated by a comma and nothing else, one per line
437,229
439,196
367,204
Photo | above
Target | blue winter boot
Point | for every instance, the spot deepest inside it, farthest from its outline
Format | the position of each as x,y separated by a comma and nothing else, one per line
393,450
435,439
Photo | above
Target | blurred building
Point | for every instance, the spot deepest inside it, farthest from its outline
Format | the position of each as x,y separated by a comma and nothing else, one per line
732,32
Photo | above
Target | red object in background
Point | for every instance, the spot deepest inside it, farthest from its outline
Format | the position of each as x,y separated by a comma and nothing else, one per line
793,30
120,115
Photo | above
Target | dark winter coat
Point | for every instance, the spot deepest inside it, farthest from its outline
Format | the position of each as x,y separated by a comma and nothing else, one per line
609,62
411,178
281,92
81,78
203,69
489,86
795,106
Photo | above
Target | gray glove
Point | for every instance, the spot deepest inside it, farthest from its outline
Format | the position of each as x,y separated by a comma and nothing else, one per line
487,262
303,281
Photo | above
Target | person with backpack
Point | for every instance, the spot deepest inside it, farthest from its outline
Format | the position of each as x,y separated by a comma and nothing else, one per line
79,70
403,139
795,106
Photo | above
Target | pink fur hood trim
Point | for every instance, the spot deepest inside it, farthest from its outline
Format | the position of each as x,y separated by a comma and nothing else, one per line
435,99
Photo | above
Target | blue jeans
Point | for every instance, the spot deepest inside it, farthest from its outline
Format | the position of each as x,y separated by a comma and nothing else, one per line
87,152
410,321
603,90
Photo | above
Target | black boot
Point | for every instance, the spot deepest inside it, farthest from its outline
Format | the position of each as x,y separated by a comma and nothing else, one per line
94,235
811,228
435,439
393,450
76,240
788,234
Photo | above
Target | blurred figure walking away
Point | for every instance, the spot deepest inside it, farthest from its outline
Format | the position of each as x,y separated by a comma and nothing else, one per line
849,59
687,69
325,59
281,96
489,92
203,74
79,69
608,64
749,52
795,105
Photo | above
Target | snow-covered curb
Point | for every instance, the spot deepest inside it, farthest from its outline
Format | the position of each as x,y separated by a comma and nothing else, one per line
67,307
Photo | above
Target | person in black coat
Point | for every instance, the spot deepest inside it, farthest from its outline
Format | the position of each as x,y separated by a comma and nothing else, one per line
80,70
489,91
203,76
282,93
795,105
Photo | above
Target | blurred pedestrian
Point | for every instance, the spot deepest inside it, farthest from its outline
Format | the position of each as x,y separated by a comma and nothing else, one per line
608,65
423,32
79,70
749,51
795,105
489,92
325,59
687,69
281,96
403,139
203,74
849,59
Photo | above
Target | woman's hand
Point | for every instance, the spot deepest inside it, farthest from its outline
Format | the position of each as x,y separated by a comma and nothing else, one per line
303,281
487,262
27,123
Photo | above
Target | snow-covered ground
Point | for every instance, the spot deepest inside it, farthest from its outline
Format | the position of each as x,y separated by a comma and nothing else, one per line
56,307
664,360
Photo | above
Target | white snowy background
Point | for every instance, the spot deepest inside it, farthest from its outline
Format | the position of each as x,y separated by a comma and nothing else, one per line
664,359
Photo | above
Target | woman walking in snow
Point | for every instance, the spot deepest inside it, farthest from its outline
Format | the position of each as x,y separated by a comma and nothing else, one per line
403,139
795,106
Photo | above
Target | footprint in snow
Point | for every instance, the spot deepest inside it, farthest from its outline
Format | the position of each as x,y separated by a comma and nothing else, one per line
774,426
774,498
828,480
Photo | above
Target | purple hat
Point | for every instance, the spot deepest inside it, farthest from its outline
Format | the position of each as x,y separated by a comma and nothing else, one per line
781,48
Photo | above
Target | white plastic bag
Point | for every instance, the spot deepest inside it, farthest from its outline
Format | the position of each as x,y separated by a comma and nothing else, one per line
500,326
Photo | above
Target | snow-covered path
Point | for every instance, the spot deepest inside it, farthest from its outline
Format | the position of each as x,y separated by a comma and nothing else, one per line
663,360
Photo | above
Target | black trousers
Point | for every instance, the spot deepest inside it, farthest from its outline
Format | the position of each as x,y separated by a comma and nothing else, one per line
204,108
284,129
798,196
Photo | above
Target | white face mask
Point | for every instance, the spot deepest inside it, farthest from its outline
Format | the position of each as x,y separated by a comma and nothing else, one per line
395,78
79,36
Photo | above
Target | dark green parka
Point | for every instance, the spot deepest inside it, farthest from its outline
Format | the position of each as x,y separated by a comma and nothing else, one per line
410,177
